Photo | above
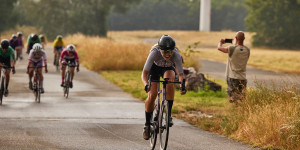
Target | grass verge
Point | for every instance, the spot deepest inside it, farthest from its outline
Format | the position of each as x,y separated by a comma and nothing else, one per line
268,118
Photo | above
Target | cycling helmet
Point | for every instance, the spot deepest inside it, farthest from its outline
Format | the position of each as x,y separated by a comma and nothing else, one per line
34,37
42,36
20,34
14,36
166,42
59,37
37,47
4,44
71,48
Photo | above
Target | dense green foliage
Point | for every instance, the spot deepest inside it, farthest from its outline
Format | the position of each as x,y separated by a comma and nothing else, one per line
179,15
70,16
7,14
276,22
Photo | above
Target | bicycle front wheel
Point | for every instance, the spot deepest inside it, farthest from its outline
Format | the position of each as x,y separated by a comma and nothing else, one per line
154,126
164,125
2,90
67,84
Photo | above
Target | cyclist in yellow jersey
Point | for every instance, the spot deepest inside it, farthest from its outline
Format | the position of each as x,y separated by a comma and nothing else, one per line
43,40
58,46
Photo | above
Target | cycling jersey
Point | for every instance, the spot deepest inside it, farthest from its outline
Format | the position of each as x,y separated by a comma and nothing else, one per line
31,42
36,57
58,43
66,55
156,58
19,42
9,54
13,43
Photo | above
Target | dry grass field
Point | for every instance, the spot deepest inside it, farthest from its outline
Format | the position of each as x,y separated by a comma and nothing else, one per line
267,118
278,60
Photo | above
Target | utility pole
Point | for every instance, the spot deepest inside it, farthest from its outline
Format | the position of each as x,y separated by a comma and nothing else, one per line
204,24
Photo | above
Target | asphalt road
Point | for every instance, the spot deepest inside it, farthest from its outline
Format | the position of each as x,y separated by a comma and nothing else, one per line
216,69
97,115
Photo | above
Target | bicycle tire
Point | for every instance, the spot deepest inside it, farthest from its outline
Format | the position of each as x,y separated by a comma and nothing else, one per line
2,90
67,84
164,126
38,90
154,125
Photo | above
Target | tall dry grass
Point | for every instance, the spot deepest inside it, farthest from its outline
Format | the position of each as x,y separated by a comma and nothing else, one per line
270,118
26,30
106,54
98,53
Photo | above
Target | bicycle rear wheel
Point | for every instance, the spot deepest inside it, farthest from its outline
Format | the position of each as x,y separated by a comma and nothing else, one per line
2,90
154,125
164,126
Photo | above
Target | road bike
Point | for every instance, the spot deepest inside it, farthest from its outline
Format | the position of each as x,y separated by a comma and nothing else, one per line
56,62
36,84
161,117
3,82
67,79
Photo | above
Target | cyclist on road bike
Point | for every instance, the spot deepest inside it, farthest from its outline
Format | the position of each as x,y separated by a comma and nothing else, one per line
19,45
43,40
68,55
37,57
13,43
32,39
7,58
58,46
163,61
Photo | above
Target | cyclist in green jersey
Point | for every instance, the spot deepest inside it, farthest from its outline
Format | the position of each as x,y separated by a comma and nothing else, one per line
7,59
31,40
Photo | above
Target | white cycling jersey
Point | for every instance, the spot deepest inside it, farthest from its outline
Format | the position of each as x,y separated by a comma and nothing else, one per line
156,58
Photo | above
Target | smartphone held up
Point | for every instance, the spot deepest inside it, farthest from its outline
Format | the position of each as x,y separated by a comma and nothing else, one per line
228,40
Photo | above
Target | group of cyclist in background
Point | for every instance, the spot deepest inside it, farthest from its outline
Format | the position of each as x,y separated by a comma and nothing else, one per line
11,52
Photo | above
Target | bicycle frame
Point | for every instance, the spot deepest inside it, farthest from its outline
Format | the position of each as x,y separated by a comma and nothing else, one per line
157,122
36,83
67,80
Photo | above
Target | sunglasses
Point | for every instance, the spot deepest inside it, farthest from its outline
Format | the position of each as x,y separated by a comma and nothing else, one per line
167,52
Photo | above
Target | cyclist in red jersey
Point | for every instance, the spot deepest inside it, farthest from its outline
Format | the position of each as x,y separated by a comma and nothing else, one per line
69,55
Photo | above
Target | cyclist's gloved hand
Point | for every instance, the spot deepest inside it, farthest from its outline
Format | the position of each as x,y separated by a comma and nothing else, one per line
182,88
147,88
182,91
77,69
13,70
46,69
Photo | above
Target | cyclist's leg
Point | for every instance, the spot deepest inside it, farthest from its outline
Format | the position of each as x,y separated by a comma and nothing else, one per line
73,64
170,92
55,54
7,71
7,74
30,74
63,70
170,87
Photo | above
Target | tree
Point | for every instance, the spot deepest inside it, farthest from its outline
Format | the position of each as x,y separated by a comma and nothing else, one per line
179,15
71,16
7,15
275,22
